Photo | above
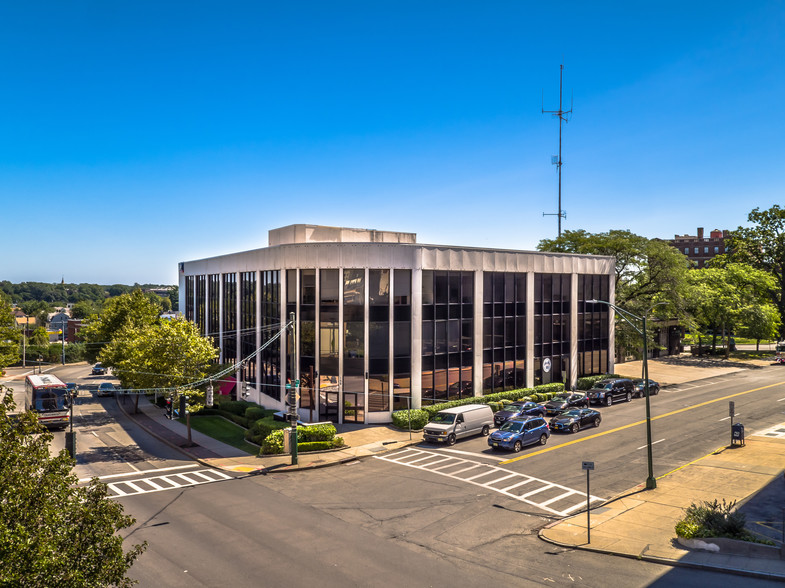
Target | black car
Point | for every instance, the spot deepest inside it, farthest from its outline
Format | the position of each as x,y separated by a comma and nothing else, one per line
562,402
516,409
99,370
608,391
640,392
73,389
575,419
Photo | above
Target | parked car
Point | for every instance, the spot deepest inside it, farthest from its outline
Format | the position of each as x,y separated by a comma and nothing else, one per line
640,391
608,391
518,432
99,370
73,389
575,419
451,424
516,409
562,402
106,389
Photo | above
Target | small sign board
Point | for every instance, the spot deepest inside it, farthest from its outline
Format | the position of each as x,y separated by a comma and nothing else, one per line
731,409
587,465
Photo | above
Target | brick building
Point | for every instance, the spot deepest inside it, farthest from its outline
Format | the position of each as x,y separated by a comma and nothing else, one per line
700,249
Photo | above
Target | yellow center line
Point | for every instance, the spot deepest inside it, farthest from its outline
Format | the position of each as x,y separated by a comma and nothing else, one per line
662,416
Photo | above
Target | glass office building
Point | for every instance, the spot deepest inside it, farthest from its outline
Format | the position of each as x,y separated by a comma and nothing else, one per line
382,322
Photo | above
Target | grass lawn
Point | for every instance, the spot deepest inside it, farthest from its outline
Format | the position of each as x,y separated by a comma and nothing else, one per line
224,431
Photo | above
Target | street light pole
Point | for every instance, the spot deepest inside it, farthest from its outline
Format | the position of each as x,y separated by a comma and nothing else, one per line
651,482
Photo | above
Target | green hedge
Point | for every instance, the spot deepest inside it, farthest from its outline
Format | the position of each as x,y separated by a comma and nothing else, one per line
273,443
314,433
419,418
254,413
540,393
587,382
258,432
237,407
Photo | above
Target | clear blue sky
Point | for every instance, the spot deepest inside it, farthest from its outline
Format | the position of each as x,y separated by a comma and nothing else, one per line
136,134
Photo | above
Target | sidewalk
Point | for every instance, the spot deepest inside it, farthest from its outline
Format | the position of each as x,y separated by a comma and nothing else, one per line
639,524
361,441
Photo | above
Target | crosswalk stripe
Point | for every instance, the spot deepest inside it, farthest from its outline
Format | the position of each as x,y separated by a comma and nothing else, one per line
426,460
162,483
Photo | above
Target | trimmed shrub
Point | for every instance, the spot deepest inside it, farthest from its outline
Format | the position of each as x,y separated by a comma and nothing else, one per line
495,406
258,432
273,443
322,433
254,413
237,407
419,418
337,442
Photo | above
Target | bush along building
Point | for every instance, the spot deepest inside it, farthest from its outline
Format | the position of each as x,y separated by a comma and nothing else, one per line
384,323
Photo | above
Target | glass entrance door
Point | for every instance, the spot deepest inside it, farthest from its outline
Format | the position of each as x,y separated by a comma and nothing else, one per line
353,407
328,406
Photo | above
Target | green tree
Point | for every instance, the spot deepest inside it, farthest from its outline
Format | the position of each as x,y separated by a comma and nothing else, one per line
119,314
9,335
167,354
762,245
760,321
174,296
84,309
39,336
52,531
650,275
722,295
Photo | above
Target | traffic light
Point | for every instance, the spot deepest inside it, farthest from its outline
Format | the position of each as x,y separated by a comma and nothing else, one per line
169,407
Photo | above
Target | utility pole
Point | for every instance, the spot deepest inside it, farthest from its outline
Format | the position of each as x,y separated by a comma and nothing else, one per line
556,160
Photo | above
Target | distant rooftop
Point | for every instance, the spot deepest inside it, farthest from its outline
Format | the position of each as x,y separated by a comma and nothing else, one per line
319,234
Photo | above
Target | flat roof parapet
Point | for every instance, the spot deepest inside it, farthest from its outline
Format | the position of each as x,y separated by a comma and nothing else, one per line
320,234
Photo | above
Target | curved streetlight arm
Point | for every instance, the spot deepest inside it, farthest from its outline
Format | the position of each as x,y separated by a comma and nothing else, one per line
621,313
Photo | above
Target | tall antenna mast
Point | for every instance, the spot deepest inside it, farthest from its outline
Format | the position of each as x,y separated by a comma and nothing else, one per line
556,160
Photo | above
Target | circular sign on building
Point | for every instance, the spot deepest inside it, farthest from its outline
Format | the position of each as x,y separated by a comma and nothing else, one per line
546,364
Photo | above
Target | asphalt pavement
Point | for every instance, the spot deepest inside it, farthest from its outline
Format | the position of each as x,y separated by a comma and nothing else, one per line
637,524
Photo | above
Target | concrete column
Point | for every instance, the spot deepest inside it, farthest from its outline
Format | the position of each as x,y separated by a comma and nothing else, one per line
530,329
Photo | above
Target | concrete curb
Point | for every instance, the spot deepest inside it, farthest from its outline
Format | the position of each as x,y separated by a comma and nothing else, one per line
664,560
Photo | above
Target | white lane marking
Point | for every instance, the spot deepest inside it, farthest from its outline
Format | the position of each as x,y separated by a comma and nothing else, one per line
469,453
568,499
655,443
781,399
727,417
154,471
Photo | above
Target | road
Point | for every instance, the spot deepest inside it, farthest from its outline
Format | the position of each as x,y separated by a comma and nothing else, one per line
402,519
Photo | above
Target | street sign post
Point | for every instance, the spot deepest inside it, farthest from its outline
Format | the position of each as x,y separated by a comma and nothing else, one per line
588,466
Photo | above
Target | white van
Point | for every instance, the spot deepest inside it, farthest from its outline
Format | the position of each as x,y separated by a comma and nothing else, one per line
451,424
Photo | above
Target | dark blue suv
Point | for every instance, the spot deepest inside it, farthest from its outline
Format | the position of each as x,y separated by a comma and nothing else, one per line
517,409
519,432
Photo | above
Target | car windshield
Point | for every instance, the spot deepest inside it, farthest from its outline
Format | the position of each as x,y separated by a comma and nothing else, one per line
570,413
443,418
608,386
513,426
106,386
560,398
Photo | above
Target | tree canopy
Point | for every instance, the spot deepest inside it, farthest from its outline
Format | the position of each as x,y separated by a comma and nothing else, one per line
723,296
9,336
52,531
124,312
650,274
166,354
762,245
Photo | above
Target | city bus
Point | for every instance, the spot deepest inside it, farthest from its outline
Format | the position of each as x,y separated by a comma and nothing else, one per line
48,397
